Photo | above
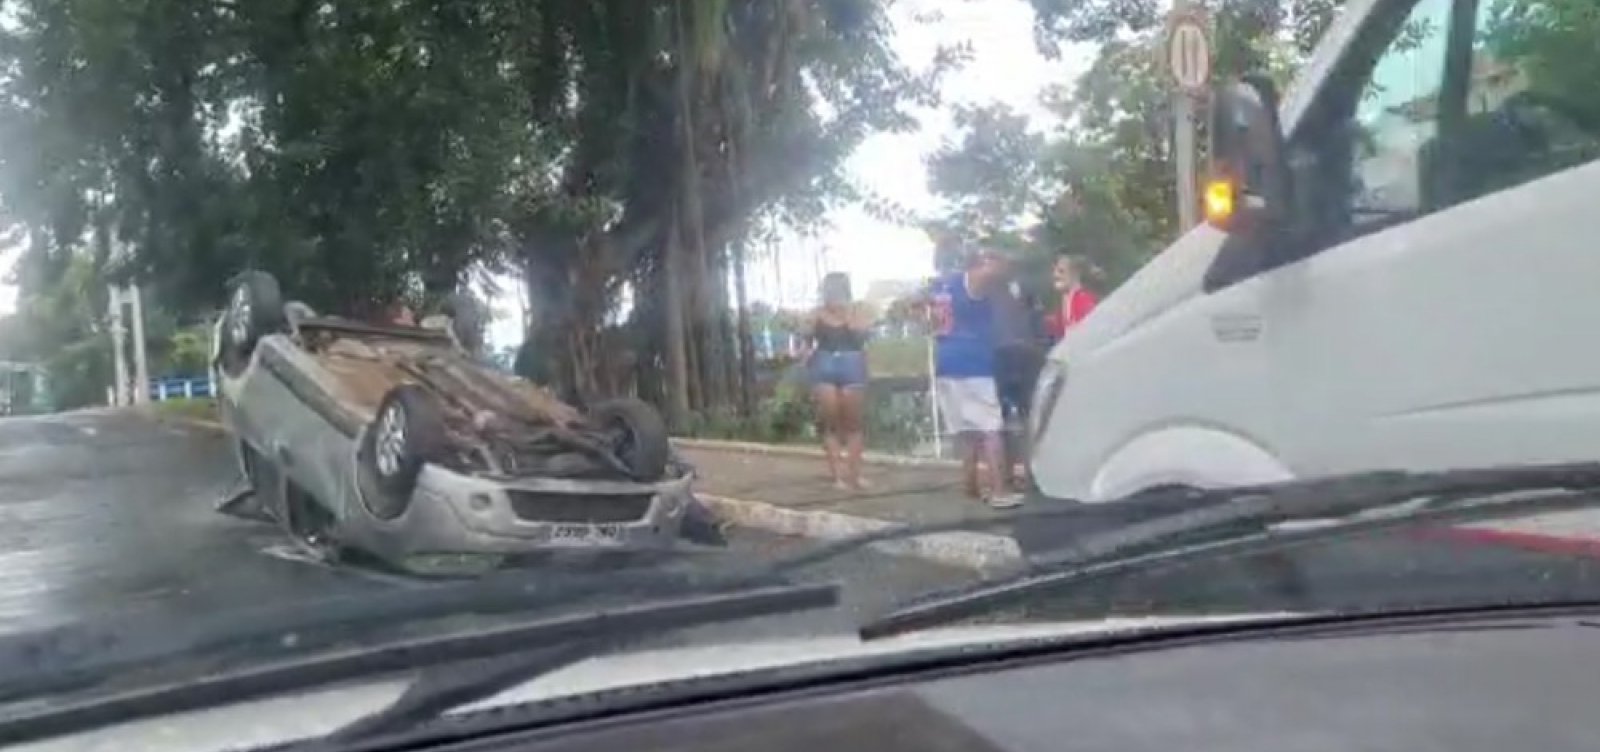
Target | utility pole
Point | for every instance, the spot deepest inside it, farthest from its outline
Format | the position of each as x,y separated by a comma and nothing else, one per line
141,370
119,388
777,268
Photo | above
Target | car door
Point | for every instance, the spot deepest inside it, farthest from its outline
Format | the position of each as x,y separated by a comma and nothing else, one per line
1442,313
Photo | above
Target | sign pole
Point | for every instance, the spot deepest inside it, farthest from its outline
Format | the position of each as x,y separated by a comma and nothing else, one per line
1188,51
1183,145
933,398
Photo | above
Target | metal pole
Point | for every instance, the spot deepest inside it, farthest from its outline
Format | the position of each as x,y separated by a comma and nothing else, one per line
933,399
141,369
777,270
119,386
1183,144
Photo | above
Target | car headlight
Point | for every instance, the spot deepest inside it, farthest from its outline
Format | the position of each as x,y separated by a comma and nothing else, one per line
1052,377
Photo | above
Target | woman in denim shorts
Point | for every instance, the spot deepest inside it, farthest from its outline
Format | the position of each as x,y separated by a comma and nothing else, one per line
837,370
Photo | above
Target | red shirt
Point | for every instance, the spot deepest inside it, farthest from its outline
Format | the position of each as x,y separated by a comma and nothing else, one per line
1075,307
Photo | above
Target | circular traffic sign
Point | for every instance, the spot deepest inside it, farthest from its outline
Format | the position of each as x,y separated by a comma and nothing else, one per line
1189,52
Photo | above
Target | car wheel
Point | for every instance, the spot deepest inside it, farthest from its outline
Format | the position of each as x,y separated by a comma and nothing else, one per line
638,435
255,309
407,433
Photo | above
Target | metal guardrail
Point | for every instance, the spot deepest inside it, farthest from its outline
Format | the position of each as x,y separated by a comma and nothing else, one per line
162,390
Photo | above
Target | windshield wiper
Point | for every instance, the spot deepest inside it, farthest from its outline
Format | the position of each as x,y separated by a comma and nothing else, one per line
1349,505
570,638
77,656
55,661
1328,509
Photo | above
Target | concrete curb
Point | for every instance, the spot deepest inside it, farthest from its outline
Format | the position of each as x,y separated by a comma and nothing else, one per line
201,423
786,450
984,552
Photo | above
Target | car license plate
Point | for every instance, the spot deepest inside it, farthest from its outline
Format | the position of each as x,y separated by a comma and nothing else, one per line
588,532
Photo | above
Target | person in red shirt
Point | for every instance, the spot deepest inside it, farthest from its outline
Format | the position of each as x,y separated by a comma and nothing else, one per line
1076,300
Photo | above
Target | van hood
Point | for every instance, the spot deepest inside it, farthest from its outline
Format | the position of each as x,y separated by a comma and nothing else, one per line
1173,276
279,720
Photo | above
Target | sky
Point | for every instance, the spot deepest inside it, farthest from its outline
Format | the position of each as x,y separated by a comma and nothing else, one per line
1005,67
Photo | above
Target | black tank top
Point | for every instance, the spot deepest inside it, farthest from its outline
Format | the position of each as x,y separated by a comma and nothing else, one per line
838,338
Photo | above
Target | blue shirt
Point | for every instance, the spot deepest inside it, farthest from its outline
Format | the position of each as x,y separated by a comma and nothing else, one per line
963,328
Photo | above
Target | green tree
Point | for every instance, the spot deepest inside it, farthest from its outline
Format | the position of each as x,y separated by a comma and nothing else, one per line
368,151
1103,187
993,176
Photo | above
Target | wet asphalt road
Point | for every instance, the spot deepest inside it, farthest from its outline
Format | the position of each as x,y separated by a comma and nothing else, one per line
104,514
111,513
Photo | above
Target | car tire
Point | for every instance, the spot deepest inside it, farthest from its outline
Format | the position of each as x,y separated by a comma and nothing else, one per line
255,309
406,433
639,436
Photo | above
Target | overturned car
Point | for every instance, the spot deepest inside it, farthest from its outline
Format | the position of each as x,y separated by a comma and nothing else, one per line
394,440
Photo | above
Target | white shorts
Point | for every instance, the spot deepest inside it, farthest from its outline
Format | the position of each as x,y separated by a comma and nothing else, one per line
969,404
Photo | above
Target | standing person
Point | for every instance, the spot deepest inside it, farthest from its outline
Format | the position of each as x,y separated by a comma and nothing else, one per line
1019,356
1076,300
964,370
837,369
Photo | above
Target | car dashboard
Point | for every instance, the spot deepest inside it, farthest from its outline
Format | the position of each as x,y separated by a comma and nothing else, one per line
1490,686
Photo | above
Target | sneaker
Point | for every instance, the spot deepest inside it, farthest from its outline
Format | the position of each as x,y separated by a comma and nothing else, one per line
1004,501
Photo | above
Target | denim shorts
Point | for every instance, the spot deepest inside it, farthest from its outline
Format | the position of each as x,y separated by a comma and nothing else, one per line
840,368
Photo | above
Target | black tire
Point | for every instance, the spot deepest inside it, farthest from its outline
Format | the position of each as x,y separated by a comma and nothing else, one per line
389,462
638,434
255,309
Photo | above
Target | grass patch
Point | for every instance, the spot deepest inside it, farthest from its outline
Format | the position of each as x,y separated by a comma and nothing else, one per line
187,409
898,357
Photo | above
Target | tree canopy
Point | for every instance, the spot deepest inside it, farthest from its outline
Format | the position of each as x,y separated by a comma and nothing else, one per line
1101,186
400,148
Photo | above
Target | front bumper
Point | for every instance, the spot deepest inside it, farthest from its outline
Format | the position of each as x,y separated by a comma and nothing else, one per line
452,512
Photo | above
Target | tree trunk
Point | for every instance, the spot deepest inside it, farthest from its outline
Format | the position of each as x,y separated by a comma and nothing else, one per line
693,213
747,352
675,358
696,337
727,343
709,336
648,332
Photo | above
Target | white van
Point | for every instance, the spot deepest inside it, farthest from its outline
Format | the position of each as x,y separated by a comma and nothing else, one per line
1412,279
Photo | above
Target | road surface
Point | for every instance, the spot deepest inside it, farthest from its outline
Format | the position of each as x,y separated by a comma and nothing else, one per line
107,513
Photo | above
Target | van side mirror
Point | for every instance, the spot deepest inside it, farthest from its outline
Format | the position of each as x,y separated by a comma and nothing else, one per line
1248,188
1249,191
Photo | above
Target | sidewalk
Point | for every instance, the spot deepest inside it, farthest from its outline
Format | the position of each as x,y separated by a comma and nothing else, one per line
787,491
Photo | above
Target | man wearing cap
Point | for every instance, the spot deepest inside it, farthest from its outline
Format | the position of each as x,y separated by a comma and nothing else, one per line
963,317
